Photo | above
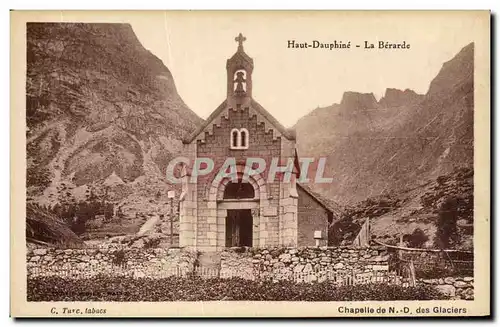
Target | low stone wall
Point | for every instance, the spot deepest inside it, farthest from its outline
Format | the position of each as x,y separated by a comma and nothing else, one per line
457,288
236,264
82,263
343,264
308,262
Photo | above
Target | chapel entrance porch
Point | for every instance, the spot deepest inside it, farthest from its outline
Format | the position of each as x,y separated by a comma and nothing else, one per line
239,227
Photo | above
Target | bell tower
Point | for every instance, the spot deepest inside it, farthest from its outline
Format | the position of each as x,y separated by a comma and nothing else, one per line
239,75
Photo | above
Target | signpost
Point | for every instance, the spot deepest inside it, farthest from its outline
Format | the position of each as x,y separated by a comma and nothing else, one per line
317,237
171,196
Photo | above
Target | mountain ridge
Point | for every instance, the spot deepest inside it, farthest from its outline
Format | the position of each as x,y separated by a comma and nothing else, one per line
362,138
102,113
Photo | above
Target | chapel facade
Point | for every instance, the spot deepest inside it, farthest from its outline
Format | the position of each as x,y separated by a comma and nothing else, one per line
218,212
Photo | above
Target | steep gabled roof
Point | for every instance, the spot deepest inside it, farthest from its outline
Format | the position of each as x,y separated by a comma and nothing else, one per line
329,205
189,138
287,133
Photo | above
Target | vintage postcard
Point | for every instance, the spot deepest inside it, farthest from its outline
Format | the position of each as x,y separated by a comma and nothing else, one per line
250,163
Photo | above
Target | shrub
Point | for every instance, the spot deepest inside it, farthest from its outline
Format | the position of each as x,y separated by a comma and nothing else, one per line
76,214
151,243
119,257
105,288
433,272
341,230
416,239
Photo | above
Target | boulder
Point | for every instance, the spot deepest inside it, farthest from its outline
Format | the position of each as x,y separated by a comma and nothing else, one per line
286,257
40,251
468,279
449,280
139,274
139,244
460,284
35,258
339,265
447,290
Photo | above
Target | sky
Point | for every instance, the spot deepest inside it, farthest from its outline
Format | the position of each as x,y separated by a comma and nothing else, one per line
289,83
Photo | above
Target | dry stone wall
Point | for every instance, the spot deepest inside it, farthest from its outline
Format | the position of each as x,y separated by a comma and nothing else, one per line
83,263
455,287
308,262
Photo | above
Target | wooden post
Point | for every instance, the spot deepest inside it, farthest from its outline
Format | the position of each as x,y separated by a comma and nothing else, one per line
413,278
401,244
171,221
171,195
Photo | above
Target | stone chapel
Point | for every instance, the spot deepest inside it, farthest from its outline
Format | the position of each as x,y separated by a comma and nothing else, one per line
215,213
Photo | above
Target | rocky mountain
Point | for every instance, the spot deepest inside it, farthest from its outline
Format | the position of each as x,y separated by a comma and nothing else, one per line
395,98
388,158
101,110
405,139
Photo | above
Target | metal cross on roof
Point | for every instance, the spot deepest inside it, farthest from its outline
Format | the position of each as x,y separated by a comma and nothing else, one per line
240,39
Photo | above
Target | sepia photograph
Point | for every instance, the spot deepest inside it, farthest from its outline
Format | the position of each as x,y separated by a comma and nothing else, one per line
220,157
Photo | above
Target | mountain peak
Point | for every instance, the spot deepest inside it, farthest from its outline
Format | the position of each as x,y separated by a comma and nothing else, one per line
454,72
99,106
388,150
396,98
358,101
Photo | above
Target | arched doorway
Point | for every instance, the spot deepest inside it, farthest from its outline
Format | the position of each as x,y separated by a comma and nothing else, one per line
238,206
239,222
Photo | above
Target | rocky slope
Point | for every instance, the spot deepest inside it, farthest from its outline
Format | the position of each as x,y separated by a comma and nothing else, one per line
397,143
401,213
388,158
101,110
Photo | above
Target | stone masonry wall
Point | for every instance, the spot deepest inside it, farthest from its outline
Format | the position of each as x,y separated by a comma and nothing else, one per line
217,147
311,217
82,263
455,287
288,263
307,264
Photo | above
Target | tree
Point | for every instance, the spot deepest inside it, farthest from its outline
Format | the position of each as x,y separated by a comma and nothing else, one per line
417,239
446,224
343,229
